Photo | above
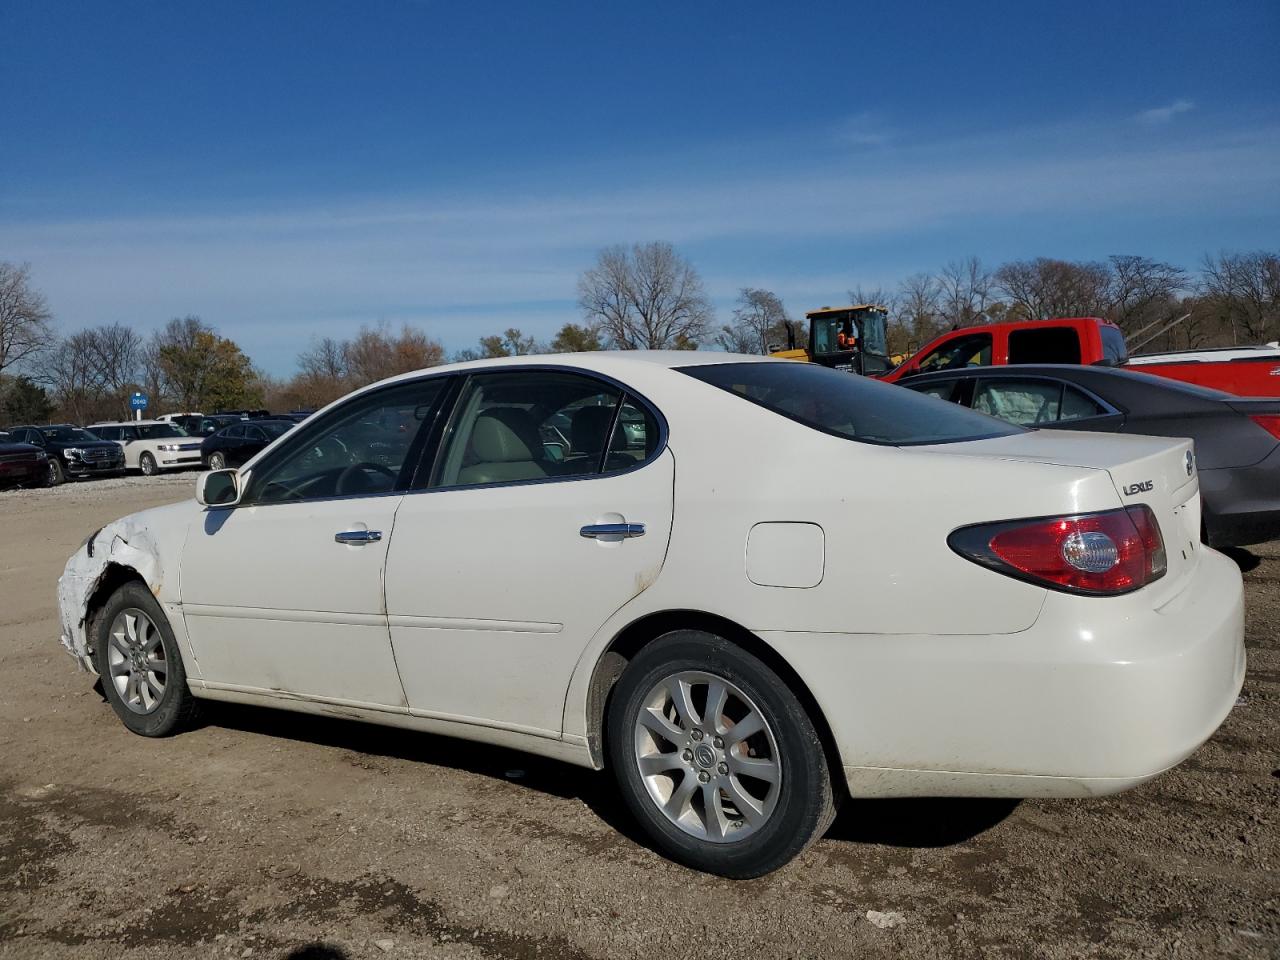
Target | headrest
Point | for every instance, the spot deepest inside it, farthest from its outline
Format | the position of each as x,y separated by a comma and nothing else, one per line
505,435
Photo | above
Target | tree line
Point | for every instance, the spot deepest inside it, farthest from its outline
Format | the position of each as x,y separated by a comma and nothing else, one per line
642,296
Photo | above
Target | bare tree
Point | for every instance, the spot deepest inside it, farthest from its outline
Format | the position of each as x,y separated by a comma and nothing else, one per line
116,352
1143,291
375,353
919,311
1042,288
647,297
966,290
1245,289
24,316
70,372
759,322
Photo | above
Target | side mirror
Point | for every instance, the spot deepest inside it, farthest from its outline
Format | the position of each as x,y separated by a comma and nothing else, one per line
218,488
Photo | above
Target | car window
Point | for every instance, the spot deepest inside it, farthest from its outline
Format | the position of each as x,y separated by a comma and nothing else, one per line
1114,349
107,433
235,432
943,389
253,433
357,449
1077,405
847,405
157,431
973,350
1044,345
1033,402
537,425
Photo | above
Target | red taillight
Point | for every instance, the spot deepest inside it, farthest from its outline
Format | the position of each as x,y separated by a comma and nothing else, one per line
1107,553
1269,422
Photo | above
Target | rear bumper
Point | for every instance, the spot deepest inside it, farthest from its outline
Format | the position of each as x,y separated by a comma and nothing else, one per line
1097,696
1242,504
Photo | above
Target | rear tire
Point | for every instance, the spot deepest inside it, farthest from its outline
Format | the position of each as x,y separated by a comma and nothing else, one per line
147,464
56,474
138,661
739,808
217,461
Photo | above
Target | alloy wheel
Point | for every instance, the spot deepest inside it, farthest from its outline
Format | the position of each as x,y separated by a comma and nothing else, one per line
708,757
135,657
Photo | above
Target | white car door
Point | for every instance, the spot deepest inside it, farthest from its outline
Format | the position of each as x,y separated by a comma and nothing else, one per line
283,593
532,532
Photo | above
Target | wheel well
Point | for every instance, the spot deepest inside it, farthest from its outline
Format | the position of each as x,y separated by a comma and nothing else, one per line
114,577
635,636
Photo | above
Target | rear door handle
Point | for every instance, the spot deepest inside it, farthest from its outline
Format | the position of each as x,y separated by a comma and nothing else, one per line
358,536
625,530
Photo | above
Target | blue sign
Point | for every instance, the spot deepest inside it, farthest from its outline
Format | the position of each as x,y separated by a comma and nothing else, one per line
138,401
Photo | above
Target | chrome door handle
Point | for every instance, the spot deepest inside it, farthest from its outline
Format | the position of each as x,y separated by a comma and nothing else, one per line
358,536
626,530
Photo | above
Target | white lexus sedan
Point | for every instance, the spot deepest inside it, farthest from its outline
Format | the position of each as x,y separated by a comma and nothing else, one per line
749,587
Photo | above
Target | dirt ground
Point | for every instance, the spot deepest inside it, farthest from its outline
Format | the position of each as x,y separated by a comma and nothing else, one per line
265,834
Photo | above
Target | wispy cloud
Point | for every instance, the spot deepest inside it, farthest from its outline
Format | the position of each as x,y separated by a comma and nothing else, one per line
1158,115
863,130
466,263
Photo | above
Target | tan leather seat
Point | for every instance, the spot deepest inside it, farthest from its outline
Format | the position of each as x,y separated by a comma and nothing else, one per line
504,446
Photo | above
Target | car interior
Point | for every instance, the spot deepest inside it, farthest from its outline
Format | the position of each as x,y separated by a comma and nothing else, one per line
505,428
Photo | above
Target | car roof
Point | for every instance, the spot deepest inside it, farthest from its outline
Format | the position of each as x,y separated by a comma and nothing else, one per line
1077,372
129,423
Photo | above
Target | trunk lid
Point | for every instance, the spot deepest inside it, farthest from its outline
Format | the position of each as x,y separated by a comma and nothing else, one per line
1157,471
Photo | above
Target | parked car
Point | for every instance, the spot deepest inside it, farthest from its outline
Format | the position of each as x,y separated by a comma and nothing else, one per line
237,442
72,451
22,464
1237,440
878,595
151,445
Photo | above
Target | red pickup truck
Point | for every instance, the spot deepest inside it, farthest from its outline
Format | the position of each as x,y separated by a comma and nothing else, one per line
1248,372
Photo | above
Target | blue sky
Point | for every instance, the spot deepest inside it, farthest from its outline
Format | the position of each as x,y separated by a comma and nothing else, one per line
287,170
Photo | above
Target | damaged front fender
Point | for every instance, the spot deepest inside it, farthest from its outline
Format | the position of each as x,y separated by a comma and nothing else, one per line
126,544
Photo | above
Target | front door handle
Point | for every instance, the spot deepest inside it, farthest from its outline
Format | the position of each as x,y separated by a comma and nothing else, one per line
593,531
358,536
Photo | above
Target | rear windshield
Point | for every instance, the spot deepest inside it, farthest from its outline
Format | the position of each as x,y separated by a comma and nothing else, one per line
850,406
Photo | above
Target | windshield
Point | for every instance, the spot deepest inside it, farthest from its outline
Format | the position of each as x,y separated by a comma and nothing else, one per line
873,332
850,406
67,434
160,431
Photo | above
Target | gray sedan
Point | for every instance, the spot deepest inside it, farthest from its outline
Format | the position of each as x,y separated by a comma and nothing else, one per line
1237,439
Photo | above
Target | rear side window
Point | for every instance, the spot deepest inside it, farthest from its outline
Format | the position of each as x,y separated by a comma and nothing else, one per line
1033,402
1114,349
849,406
1044,345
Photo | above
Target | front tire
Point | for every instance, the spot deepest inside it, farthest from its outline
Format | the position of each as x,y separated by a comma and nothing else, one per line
716,757
141,669
56,474
147,464
217,461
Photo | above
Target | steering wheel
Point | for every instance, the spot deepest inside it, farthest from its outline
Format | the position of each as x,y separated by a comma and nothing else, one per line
351,472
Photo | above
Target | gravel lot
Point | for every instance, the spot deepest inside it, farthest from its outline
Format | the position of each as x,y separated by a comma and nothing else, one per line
265,834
